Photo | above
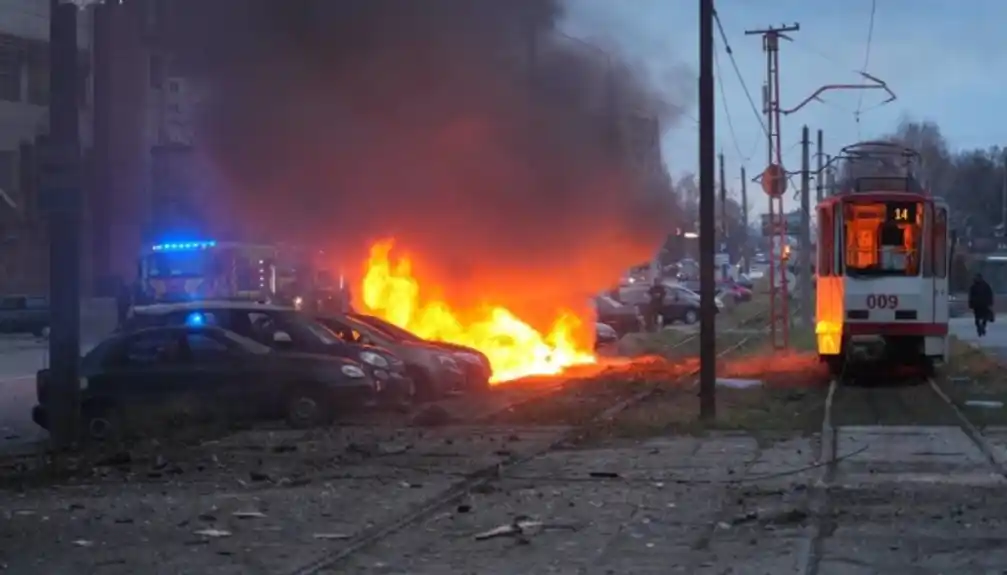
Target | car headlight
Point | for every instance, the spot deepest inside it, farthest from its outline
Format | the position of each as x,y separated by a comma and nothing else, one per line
371,358
352,371
298,302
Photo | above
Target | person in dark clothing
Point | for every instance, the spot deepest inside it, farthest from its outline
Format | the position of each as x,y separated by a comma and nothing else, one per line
656,293
981,303
123,301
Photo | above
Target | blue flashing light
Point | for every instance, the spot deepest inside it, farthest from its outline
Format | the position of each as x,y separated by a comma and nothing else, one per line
184,246
195,319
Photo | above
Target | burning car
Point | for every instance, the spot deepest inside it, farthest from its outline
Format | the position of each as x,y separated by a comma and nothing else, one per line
433,370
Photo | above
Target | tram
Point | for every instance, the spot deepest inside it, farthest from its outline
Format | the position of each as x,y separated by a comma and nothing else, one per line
884,252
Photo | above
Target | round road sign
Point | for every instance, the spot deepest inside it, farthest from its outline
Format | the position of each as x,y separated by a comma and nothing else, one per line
774,180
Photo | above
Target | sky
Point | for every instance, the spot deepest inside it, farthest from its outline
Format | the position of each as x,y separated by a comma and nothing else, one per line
941,61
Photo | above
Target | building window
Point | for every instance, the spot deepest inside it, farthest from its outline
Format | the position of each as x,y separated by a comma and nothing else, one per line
38,74
156,71
11,60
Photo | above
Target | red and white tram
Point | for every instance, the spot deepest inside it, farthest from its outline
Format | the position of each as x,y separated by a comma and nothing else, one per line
883,263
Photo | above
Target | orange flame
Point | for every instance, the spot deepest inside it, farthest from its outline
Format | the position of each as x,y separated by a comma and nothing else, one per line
514,348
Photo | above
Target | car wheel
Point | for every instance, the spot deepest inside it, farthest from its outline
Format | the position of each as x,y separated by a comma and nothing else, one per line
690,317
306,408
100,422
426,387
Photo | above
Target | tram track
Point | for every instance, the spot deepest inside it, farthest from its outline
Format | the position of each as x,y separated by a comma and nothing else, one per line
913,402
332,561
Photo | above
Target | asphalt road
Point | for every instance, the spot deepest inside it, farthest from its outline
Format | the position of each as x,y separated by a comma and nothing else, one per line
20,358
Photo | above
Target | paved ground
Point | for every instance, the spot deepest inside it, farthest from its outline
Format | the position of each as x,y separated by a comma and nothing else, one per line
901,499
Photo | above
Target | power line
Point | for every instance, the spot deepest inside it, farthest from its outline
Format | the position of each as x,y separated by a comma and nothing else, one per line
867,60
737,72
727,109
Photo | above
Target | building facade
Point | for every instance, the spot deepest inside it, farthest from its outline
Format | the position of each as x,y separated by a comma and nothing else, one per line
24,98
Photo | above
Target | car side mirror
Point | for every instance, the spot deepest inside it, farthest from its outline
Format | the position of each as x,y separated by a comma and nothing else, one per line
281,337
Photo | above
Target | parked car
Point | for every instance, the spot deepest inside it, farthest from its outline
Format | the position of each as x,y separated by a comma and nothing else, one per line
477,367
680,303
604,334
620,317
433,370
209,368
285,330
24,314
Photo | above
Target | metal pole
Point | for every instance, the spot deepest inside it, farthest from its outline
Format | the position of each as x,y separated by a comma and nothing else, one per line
62,199
804,259
746,249
707,230
819,175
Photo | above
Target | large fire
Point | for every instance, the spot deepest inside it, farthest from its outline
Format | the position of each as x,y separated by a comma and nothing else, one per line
513,347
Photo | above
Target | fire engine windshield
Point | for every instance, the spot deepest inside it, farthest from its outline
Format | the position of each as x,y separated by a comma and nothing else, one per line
883,239
177,264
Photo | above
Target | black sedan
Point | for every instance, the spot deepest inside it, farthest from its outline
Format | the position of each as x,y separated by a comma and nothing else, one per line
212,370
620,317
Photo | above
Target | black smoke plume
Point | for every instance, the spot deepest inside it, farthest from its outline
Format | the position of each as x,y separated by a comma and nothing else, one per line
339,122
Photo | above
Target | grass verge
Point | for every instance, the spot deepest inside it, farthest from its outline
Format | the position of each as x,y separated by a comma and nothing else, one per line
974,375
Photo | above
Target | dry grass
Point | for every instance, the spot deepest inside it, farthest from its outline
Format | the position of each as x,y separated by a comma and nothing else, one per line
974,374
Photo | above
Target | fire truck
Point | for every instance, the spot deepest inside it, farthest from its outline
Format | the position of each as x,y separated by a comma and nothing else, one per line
884,253
211,269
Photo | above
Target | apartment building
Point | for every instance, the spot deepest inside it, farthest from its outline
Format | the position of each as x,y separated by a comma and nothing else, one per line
24,97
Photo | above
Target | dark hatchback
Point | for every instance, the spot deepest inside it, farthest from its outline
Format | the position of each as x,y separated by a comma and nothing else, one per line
205,369
286,330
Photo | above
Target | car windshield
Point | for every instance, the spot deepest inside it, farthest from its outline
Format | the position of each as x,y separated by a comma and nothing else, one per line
247,344
391,329
320,332
607,303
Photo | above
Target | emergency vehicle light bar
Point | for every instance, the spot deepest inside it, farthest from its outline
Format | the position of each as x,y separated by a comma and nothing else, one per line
183,246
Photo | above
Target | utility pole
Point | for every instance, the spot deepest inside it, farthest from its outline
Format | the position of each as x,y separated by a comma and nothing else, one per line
804,256
774,182
746,250
724,233
61,189
707,231
819,175
830,176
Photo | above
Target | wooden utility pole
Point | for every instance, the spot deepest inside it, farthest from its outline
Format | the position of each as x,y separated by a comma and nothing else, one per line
804,255
724,233
61,190
746,249
819,174
707,226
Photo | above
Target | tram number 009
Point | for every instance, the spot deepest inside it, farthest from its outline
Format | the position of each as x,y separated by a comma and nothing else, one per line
876,301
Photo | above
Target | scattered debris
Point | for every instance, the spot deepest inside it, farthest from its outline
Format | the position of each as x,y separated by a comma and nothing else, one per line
332,536
249,514
521,526
83,543
213,533
984,404
738,383
604,474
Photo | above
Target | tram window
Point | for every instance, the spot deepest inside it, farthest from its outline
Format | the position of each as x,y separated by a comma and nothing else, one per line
941,243
880,242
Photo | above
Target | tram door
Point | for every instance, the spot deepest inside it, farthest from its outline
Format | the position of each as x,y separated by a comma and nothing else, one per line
941,262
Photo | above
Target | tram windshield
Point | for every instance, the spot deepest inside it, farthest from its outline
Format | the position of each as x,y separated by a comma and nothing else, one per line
883,238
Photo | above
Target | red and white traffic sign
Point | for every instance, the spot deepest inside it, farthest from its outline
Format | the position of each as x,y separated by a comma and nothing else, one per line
774,180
